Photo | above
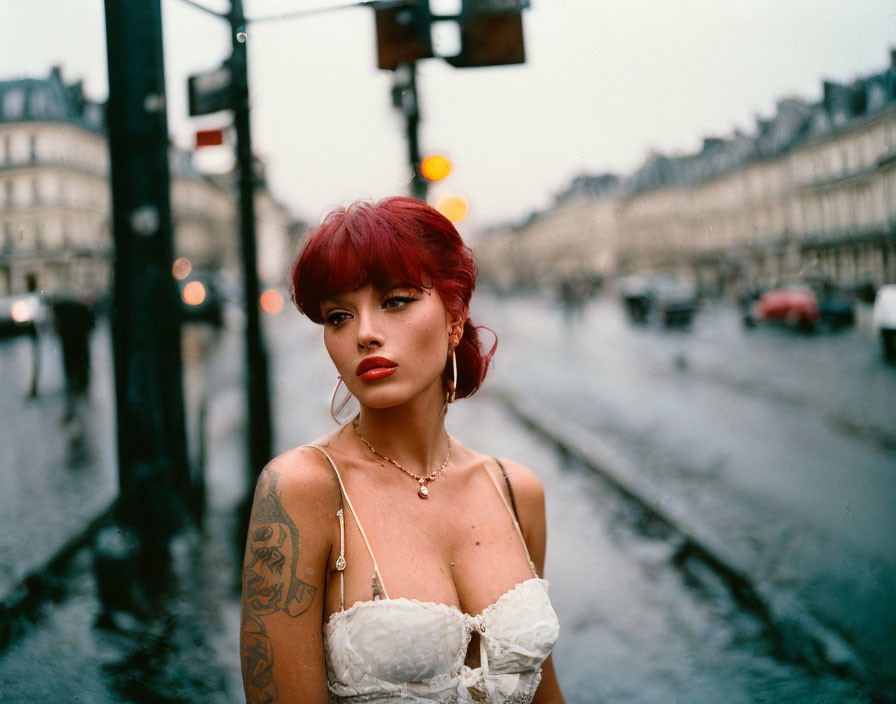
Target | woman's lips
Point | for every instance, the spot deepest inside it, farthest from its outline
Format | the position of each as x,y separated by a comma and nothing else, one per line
377,373
374,368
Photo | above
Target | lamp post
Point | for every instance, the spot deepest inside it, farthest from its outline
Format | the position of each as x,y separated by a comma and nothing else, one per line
152,453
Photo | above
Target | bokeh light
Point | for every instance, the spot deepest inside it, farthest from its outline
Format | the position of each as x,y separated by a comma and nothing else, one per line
272,301
194,293
182,268
20,312
454,208
435,167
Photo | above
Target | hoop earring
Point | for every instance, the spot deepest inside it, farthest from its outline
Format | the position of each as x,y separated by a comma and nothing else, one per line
333,410
451,394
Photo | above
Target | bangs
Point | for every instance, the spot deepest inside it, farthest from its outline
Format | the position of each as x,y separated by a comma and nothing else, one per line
352,248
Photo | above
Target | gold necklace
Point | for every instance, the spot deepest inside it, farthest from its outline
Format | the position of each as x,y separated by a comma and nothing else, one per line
422,490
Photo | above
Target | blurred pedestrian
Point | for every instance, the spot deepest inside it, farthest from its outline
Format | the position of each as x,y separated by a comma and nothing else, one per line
73,321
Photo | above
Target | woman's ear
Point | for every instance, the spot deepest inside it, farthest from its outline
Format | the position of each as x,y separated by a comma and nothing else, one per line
455,329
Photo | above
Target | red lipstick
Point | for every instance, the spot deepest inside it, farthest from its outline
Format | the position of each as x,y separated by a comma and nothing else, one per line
374,368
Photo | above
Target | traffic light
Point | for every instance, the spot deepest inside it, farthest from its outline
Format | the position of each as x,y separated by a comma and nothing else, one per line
491,34
435,167
403,34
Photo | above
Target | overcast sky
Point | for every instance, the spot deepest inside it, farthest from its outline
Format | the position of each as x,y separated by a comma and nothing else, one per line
604,83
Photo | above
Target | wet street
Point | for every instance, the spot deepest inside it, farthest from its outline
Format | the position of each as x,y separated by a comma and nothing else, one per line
673,461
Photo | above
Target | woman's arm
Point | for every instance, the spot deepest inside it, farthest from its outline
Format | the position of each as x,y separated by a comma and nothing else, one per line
529,494
284,578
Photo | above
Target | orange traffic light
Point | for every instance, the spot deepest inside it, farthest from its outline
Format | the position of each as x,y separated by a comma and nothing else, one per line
454,208
435,167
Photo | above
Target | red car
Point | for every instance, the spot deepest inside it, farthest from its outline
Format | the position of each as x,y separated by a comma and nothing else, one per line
796,306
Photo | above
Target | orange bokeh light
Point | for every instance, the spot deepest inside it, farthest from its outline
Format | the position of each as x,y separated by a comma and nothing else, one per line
454,208
272,301
435,167
181,268
194,293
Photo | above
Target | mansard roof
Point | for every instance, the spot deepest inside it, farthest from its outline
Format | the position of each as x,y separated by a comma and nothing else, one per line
795,121
49,100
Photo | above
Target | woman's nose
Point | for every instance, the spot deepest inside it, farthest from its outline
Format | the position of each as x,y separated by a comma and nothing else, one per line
369,334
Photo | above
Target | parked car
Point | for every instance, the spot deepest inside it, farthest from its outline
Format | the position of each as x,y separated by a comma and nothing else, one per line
795,306
22,314
674,301
636,296
664,298
883,319
836,310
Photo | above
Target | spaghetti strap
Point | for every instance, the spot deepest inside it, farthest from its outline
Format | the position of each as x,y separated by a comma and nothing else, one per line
511,511
378,584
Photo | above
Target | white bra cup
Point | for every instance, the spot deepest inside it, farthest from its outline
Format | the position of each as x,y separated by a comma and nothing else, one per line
394,640
521,628
391,648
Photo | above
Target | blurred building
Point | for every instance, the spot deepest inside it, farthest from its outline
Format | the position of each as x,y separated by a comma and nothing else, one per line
55,198
810,192
575,239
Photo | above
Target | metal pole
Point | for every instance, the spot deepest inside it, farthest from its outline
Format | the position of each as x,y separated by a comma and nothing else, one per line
412,113
259,422
152,447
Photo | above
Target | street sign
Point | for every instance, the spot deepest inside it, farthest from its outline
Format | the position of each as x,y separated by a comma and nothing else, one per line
210,91
209,138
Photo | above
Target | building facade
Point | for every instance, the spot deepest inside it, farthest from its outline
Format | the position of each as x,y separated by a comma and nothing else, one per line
55,198
812,193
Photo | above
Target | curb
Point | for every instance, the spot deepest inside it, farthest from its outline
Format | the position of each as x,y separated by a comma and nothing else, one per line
42,584
799,635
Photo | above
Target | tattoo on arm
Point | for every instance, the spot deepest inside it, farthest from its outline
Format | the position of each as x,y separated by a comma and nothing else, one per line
270,585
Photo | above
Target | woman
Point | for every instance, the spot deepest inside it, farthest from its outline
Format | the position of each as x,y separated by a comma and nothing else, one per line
370,551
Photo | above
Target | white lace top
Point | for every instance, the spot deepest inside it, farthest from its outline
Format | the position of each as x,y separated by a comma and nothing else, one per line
400,650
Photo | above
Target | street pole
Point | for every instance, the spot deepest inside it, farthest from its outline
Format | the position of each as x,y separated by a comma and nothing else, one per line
259,422
152,447
407,100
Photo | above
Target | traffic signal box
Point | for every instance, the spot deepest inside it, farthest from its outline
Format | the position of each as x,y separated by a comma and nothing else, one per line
402,34
491,33
489,40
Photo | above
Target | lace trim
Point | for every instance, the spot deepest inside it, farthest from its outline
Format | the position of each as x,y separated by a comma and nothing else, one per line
366,604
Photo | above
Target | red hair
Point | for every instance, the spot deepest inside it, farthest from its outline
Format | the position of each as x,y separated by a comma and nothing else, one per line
395,239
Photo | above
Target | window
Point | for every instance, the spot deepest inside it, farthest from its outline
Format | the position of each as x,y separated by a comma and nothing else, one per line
13,104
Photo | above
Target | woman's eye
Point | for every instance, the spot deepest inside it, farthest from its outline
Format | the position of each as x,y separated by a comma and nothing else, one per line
398,301
336,317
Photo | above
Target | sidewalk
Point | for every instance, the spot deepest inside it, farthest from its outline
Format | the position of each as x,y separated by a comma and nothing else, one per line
57,478
183,647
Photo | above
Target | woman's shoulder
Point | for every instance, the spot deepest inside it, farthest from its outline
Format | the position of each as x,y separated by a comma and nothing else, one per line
525,483
302,473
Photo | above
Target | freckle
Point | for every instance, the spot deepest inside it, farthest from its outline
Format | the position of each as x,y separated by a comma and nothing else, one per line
477,542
